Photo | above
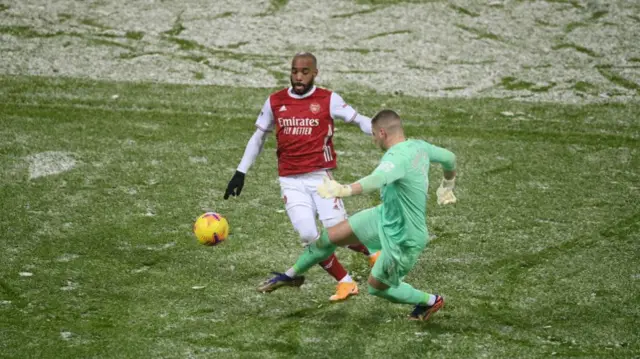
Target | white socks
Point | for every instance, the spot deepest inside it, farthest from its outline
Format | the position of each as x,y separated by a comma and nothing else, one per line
291,273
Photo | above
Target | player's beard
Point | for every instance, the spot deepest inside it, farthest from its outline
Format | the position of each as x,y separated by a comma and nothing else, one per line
305,88
379,142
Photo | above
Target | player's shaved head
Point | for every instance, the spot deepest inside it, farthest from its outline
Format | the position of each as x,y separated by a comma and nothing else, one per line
306,55
387,119
386,129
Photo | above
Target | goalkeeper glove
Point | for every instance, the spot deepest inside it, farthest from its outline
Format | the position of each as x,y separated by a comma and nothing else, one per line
331,189
235,185
445,191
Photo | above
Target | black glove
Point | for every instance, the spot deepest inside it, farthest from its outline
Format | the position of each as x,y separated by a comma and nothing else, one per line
235,185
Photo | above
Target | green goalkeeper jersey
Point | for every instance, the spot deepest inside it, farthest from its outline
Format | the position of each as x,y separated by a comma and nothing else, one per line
403,175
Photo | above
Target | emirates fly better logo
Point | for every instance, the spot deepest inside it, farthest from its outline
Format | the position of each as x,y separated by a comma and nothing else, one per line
297,125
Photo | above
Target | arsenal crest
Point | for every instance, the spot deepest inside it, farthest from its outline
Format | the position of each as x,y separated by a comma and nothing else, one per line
315,108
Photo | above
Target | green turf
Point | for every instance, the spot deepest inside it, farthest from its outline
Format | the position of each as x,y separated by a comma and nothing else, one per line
538,259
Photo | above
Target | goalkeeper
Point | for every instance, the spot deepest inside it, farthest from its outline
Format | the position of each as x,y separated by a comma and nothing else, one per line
397,227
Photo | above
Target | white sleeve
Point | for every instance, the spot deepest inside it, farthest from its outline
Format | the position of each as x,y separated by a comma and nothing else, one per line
265,119
253,149
341,110
364,122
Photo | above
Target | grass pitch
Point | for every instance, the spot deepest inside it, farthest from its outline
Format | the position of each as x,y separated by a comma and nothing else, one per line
101,181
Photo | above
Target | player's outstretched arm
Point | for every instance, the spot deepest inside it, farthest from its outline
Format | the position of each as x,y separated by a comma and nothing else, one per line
387,172
364,123
332,189
342,111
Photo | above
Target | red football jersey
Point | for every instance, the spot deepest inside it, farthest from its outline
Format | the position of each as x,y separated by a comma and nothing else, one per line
304,131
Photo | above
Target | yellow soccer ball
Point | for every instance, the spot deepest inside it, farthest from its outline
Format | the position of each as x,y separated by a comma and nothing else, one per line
211,228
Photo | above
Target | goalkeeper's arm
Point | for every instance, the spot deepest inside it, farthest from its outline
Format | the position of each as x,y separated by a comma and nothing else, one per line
387,172
447,159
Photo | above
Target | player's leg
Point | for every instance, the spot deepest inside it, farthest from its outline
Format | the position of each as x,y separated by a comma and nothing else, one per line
303,220
385,281
339,235
302,215
332,211
361,228
293,276
301,211
311,256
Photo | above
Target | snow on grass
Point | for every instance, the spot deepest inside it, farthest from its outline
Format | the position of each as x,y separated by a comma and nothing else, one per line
533,50
160,247
69,286
67,257
50,163
195,159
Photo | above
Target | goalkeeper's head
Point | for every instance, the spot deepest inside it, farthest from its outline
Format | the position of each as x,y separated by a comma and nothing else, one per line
386,129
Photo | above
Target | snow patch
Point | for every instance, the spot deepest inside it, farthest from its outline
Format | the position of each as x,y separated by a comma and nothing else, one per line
67,257
198,160
162,247
141,269
70,286
50,163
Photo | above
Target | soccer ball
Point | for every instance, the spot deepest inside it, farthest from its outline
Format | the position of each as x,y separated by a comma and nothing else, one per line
211,228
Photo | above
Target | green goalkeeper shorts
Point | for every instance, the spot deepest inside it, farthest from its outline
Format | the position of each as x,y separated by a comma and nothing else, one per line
389,269
364,225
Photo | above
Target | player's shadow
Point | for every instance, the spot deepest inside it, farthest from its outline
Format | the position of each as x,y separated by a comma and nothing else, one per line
327,313
308,312
333,315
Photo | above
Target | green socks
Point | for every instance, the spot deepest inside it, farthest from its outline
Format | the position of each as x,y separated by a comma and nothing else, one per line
315,253
404,293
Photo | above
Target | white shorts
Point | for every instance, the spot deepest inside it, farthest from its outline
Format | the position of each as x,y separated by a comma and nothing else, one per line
301,190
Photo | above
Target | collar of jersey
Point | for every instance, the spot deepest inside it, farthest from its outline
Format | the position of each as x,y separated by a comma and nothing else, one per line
292,94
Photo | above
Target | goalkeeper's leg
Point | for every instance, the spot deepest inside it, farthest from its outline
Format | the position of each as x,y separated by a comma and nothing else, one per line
385,281
315,253
330,238
360,230
425,304
331,212
342,234
348,232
